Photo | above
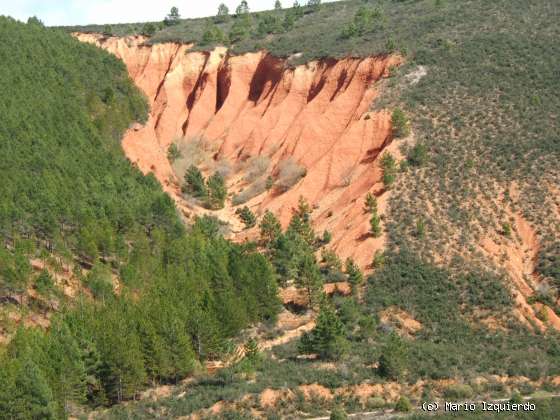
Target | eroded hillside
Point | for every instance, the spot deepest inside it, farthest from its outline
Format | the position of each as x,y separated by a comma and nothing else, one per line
313,118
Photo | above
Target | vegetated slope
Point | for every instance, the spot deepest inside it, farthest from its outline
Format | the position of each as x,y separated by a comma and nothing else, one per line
307,122
71,202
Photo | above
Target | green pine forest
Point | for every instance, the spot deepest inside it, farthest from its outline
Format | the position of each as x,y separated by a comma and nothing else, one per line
67,190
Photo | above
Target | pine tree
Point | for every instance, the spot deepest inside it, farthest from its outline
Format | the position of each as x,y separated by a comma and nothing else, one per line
195,184
247,217
223,14
309,278
217,191
269,227
393,359
370,205
33,398
173,17
65,359
300,222
389,166
355,276
327,339
243,8
375,224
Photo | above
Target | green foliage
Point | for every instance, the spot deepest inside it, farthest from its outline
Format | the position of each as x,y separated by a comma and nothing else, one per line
506,229
378,259
44,283
420,228
68,188
277,5
195,184
99,281
355,276
300,223
242,8
393,360
149,29
269,24
338,413
309,278
173,17
370,204
217,191
327,339
327,237
213,35
389,166
173,153
375,225
403,405
247,217
269,227
251,348
67,176
418,155
241,28
365,20
222,15
458,392
549,263
399,123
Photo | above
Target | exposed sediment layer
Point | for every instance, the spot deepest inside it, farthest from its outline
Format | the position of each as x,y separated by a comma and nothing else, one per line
255,104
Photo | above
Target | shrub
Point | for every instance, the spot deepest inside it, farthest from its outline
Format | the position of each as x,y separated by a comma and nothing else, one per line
378,259
290,172
418,155
195,184
327,339
173,153
172,18
458,391
256,188
506,229
338,413
389,166
420,228
223,14
375,225
217,191
403,405
400,123
44,282
393,359
375,402
149,29
256,167
247,217
353,272
370,204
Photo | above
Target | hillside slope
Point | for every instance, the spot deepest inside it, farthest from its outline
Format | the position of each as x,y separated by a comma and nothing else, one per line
125,295
254,108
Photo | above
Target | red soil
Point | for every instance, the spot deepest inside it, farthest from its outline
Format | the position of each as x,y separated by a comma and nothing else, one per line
254,104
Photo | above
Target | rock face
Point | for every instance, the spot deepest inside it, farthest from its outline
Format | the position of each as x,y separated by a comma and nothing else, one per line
254,104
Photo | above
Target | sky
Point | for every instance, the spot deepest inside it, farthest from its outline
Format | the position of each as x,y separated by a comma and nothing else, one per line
82,12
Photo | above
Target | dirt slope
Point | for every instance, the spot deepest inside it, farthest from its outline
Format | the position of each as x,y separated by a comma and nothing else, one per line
255,105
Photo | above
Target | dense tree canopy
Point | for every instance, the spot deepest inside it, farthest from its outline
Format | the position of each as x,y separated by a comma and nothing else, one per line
67,190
